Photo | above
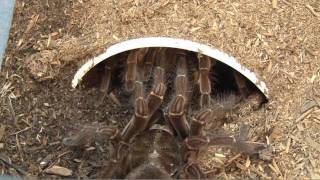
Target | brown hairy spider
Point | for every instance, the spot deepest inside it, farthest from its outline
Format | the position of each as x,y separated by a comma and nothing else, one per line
181,81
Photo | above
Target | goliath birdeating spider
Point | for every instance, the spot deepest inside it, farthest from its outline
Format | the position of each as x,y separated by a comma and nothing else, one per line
166,107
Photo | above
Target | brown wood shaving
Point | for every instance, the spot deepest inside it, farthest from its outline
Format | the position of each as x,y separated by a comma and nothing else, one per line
248,162
19,148
275,165
114,98
229,162
274,4
2,131
240,166
302,116
6,160
289,4
253,169
12,113
288,145
32,22
273,169
18,132
312,10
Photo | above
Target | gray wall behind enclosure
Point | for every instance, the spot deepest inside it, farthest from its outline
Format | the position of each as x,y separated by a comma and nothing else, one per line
6,13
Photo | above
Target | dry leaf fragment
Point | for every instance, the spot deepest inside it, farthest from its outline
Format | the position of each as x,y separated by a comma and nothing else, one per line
58,170
313,144
308,105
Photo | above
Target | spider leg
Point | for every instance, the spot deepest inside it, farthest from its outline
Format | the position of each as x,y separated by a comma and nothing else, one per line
137,124
255,99
194,144
204,81
140,119
181,81
176,114
105,85
145,114
177,117
239,143
88,135
155,97
199,121
162,57
241,83
134,57
149,62
106,78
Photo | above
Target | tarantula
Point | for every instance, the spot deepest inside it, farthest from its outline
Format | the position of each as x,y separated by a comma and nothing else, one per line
163,112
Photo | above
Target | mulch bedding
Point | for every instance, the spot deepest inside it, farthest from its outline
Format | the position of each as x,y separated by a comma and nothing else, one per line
279,40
